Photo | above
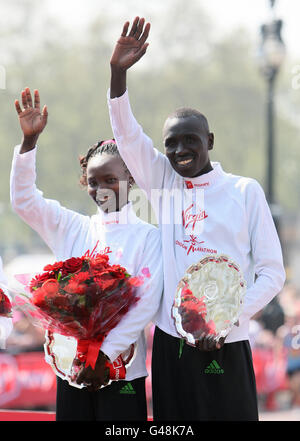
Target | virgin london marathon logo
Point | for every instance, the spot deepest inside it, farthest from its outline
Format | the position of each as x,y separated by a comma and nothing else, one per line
189,219
96,250
192,245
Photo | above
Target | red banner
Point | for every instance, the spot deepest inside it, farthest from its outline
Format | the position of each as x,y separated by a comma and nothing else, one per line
20,415
26,382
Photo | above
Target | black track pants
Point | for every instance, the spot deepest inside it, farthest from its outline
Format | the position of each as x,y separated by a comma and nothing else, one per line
202,386
120,401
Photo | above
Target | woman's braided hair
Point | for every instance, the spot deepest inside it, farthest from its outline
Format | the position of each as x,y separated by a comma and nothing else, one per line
109,147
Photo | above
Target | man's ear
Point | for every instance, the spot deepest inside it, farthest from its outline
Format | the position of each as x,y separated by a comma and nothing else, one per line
211,140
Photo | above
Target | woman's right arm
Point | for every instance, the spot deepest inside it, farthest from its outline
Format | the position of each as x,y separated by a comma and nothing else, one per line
57,225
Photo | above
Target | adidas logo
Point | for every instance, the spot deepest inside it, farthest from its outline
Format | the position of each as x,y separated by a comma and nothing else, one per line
127,389
214,368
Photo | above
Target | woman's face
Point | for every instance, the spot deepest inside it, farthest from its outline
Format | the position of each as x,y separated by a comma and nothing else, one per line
108,182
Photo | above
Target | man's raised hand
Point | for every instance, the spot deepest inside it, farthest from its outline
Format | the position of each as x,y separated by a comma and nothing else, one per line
131,46
128,50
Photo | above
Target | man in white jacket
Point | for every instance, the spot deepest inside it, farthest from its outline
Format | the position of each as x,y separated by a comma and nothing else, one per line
202,210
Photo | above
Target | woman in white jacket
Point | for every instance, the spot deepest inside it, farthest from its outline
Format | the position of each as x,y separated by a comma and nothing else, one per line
115,230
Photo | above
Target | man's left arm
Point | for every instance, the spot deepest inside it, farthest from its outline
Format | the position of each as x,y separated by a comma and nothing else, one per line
266,253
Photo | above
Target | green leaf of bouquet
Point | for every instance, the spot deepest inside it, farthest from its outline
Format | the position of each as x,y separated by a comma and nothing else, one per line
181,344
66,278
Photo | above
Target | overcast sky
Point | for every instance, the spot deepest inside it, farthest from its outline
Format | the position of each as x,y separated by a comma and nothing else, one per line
225,14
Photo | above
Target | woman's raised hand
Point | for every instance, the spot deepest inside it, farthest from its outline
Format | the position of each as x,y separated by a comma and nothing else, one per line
32,121
130,48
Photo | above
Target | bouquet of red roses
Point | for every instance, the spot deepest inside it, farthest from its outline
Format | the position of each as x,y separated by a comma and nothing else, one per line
5,305
82,297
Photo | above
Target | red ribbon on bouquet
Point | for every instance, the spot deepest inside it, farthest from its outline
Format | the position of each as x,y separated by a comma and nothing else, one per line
88,350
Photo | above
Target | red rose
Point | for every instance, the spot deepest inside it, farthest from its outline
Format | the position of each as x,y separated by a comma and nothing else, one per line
81,277
74,287
38,280
73,264
51,286
99,263
39,298
107,283
118,271
56,266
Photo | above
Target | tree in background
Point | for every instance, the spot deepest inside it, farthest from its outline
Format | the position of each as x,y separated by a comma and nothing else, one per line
220,78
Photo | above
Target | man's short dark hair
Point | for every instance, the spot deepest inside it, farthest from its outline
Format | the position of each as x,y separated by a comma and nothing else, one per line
186,112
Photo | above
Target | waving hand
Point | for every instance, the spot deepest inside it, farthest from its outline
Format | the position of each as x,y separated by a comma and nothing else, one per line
32,121
130,47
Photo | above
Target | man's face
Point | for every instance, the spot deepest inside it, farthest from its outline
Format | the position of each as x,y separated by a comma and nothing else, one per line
187,143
